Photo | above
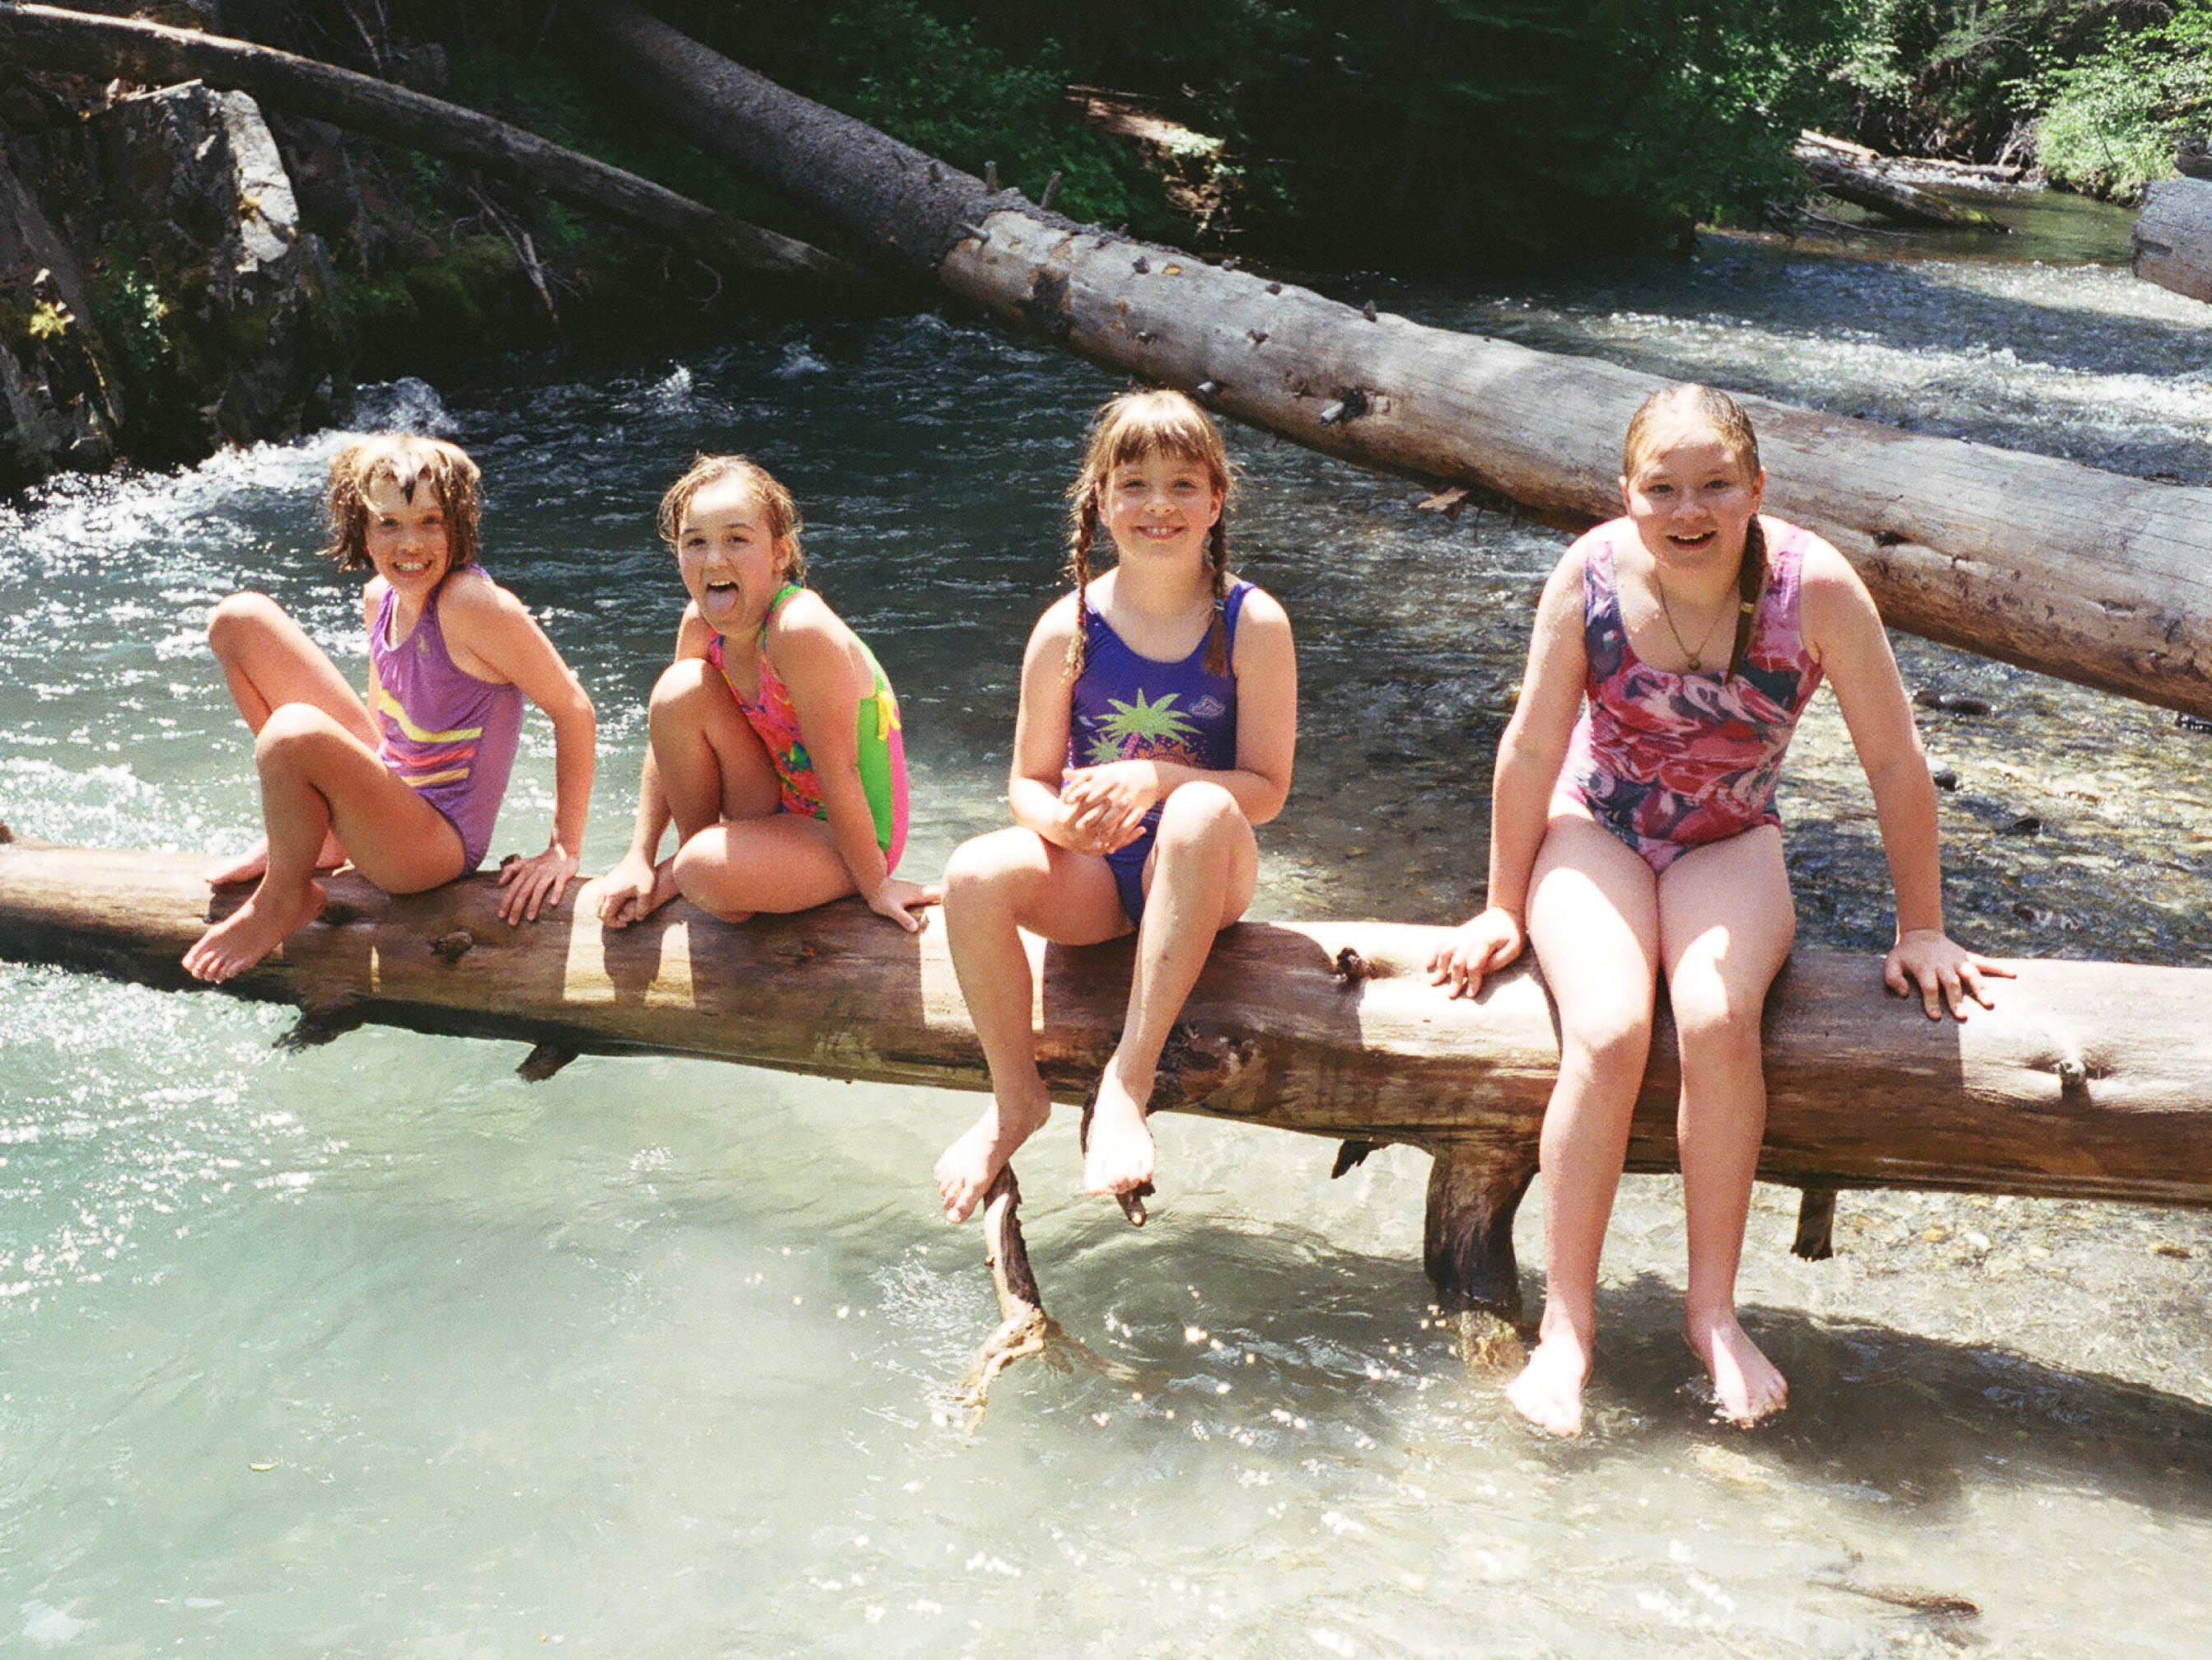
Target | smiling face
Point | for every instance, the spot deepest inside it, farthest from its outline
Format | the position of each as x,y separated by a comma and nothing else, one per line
730,557
406,537
1691,499
1159,505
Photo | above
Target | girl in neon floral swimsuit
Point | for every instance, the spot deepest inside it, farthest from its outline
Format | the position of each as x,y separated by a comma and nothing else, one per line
777,751
1633,834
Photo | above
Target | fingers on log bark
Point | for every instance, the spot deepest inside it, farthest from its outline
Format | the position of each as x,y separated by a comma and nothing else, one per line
1468,1250
1816,1224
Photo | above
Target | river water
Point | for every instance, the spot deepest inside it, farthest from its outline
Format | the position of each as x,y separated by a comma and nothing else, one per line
374,1349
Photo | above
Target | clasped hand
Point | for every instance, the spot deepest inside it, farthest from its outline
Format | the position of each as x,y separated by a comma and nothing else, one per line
1487,941
534,883
1103,807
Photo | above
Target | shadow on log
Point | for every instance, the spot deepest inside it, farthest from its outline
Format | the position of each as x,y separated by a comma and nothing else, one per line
2089,1080
2084,574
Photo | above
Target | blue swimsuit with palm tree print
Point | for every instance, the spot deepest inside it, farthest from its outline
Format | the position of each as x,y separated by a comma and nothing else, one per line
1127,707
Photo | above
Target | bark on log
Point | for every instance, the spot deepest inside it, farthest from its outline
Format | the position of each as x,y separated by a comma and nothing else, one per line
2173,237
2080,574
1864,183
2089,1080
46,37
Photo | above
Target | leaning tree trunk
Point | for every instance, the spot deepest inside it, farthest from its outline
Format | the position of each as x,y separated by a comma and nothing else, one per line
1862,182
2173,237
44,37
2080,574
2088,1081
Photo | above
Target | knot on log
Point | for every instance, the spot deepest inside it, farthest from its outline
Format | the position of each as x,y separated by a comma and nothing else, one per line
1368,312
1045,308
1351,967
6,834
1140,264
1257,337
1349,404
1206,390
454,946
1274,288
338,913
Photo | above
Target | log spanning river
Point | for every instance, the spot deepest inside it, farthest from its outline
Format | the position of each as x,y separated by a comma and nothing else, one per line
374,1349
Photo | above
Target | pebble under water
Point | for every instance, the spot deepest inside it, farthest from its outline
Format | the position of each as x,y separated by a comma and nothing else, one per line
374,1349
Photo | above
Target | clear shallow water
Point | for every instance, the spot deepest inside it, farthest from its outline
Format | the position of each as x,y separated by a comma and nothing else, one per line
374,1349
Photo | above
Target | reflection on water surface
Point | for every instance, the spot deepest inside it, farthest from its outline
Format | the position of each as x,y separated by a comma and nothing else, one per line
374,1349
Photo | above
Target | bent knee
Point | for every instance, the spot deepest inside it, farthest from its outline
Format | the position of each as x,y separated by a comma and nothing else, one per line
1709,1019
1607,1049
989,870
1199,812
292,729
684,682
239,616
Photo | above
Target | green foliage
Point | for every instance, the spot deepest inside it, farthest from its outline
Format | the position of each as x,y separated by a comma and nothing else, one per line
2110,121
132,315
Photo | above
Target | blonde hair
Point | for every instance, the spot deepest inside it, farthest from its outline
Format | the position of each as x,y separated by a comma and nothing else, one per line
1668,414
776,502
1130,428
407,461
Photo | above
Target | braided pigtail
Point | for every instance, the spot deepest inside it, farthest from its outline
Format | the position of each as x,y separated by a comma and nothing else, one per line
1216,633
1750,581
1086,516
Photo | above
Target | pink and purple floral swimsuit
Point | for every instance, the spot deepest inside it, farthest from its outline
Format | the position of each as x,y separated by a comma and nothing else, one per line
1670,762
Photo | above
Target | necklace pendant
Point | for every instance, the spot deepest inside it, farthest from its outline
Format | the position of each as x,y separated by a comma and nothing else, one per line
1694,663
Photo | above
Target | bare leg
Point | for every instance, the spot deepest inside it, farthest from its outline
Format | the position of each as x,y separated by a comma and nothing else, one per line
318,779
1593,918
269,662
1725,925
1203,869
713,768
994,886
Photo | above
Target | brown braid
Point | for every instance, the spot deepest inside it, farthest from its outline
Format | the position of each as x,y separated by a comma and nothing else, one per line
1078,573
1750,581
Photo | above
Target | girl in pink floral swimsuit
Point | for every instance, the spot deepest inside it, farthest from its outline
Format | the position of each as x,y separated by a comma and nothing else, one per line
1633,836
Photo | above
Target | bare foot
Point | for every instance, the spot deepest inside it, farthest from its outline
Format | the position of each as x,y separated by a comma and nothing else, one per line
966,1169
252,865
619,908
1117,1152
1746,1383
252,932
1548,1393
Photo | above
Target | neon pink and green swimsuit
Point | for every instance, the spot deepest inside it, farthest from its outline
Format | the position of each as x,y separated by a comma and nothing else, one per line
882,748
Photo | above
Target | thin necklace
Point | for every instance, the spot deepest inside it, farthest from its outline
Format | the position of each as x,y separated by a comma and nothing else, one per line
1696,661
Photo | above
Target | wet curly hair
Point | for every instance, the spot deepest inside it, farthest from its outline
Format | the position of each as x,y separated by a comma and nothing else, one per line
412,462
776,504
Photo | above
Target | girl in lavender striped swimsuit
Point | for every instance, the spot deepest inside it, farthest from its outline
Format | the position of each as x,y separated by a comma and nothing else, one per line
406,786
1633,834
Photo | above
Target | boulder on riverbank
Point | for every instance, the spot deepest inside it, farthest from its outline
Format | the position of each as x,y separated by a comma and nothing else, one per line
158,296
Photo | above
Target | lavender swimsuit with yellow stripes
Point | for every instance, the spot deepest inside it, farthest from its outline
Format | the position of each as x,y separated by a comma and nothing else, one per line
445,733
881,751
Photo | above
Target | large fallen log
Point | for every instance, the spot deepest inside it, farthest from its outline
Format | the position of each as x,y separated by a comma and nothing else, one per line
1853,173
2173,237
2089,1080
2077,572
46,37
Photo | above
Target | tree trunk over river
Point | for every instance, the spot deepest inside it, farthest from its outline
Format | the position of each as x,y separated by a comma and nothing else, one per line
2089,1080
2082,574
44,37
2173,237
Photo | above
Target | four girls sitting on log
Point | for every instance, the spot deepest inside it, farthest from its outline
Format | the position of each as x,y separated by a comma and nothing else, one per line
1634,835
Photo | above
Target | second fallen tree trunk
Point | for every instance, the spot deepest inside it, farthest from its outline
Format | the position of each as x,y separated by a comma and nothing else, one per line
1854,174
2173,237
2085,574
46,37
2089,1080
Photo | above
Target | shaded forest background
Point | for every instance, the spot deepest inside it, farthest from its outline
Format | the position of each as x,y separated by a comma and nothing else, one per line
1430,136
